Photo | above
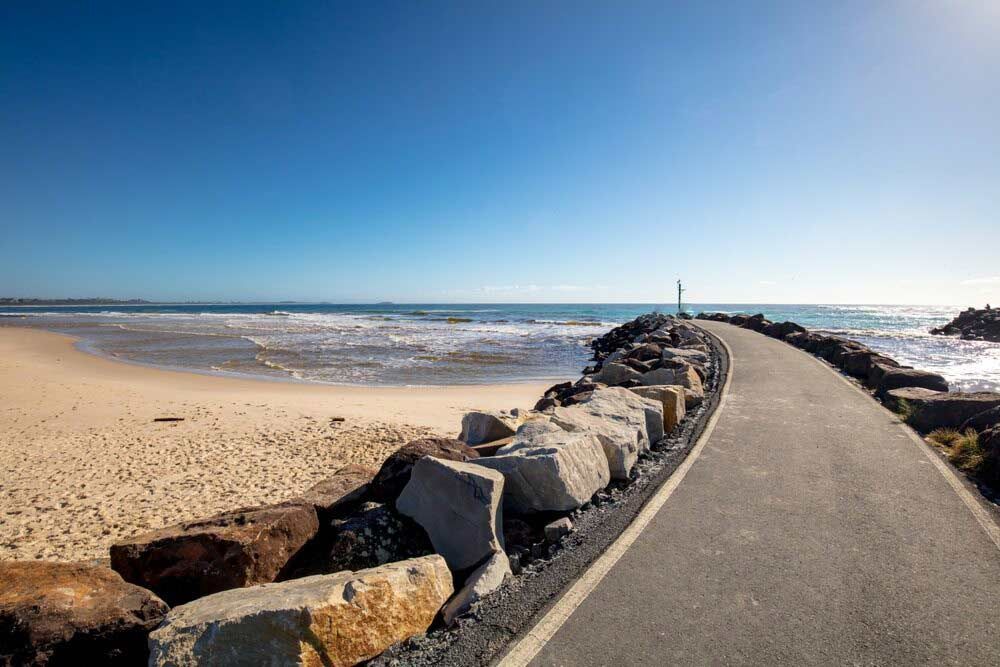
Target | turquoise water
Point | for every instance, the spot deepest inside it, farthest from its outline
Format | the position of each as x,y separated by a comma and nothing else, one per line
416,344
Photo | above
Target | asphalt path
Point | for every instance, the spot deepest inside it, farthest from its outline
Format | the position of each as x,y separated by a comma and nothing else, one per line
812,528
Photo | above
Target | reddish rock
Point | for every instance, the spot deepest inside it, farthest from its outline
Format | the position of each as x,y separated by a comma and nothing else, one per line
73,614
395,470
240,548
347,485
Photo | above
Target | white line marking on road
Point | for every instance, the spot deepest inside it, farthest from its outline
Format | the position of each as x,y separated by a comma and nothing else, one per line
980,513
525,650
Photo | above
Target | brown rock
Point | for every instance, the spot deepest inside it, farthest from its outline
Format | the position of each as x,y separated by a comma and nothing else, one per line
395,471
73,614
231,550
347,485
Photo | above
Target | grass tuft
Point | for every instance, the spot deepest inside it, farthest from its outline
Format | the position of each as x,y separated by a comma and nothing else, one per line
904,410
967,454
944,437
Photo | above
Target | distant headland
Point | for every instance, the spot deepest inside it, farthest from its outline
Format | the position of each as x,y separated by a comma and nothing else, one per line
93,301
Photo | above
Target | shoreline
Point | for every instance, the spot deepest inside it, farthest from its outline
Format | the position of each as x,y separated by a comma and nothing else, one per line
85,347
84,464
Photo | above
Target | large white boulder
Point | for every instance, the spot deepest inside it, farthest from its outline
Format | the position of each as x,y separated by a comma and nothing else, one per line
621,442
482,426
548,469
458,504
623,422
615,373
484,580
687,354
671,397
335,619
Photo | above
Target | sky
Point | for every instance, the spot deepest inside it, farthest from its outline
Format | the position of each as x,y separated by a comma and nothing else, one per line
763,152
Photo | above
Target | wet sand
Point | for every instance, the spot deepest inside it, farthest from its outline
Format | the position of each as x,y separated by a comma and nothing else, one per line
83,463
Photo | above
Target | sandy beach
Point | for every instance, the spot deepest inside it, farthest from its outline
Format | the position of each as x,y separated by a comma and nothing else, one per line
83,463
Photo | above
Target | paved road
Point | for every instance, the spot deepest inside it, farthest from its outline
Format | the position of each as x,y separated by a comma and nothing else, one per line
811,530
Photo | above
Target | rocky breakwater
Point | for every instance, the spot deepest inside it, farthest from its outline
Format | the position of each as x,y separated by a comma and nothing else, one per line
367,559
921,398
973,324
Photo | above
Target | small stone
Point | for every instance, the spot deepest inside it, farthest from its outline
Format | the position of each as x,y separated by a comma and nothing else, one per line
557,529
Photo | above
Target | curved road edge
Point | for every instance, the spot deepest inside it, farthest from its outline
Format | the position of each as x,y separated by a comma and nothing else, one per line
523,651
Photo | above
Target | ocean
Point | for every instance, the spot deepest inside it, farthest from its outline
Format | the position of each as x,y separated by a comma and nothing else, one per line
435,344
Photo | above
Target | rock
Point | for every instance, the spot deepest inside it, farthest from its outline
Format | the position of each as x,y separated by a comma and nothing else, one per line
800,339
638,329
755,322
347,485
685,376
895,378
671,397
989,440
839,352
693,398
617,400
645,352
930,410
547,469
878,369
395,470
556,390
826,346
622,421
375,535
335,619
230,550
690,355
739,320
972,324
617,355
479,427
984,420
557,529
781,329
458,504
616,373
73,614
545,404
484,580
858,363
895,399
621,441
640,366
517,534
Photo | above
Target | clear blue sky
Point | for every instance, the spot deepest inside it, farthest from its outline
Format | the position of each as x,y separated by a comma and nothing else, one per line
843,151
